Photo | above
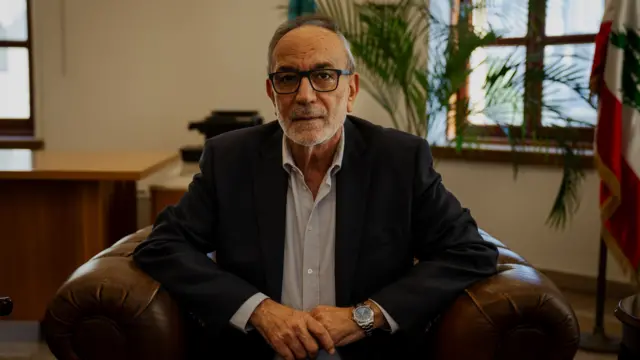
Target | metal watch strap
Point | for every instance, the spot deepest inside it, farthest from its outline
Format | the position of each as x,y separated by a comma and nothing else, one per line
368,328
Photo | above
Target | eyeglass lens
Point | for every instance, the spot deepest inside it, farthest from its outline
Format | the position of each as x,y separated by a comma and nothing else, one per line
321,80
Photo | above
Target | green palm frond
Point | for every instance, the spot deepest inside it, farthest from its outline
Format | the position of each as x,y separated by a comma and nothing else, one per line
385,42
505,89
567,199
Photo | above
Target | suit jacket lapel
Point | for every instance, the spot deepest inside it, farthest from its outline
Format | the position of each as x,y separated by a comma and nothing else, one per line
270,192
351,203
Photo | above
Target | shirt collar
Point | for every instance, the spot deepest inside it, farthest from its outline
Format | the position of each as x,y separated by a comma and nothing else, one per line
287,158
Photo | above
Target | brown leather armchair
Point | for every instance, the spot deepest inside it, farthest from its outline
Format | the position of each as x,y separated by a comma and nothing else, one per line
109,309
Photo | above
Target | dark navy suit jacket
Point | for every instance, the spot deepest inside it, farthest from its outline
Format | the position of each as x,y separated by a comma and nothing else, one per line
391,208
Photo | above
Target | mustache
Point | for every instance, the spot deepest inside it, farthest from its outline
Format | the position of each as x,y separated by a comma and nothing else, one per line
306,112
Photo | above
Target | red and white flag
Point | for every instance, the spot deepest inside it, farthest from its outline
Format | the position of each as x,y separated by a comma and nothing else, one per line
615,79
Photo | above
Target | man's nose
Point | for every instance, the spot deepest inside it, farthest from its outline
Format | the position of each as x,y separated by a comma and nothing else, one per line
305,91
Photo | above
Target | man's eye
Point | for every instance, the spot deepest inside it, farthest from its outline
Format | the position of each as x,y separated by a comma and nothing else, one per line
289,78
325,75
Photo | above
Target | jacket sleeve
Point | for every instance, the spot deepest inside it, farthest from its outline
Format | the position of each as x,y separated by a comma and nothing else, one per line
175,253
452,254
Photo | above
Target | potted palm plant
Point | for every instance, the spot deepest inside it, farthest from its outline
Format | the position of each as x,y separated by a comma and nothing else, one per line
416,63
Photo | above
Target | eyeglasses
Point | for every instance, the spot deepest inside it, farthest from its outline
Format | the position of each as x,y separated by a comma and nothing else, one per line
321,80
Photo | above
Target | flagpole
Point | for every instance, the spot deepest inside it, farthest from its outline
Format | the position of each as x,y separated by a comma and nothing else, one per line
598,340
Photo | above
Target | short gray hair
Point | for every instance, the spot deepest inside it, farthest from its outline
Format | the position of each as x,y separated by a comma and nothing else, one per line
315,20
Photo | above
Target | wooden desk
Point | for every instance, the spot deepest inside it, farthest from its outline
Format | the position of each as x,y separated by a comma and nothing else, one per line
57,210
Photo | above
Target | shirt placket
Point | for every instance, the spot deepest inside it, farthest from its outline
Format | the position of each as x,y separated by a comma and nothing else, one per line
311,268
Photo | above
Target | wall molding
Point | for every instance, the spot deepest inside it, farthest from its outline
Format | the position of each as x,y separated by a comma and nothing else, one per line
587,284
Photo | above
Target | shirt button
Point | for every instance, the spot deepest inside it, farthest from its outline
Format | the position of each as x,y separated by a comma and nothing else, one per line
309,271
309,228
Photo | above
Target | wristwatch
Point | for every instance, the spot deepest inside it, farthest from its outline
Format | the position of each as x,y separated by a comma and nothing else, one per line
363,316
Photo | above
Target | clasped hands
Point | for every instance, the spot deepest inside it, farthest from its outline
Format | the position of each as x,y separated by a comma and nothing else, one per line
295,334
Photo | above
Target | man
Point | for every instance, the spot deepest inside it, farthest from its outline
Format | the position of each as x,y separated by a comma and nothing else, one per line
315,221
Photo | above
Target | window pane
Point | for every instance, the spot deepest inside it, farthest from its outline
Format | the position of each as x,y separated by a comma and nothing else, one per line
15,160
567,67
506,17
573,17
13,20
501,103
14,84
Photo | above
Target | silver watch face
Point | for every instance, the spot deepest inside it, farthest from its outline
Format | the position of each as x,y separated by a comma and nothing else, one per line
363,314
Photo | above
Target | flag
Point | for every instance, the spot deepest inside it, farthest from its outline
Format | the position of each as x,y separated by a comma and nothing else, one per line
614,79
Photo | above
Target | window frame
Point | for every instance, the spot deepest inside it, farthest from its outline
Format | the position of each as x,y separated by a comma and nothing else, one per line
534,42
22,127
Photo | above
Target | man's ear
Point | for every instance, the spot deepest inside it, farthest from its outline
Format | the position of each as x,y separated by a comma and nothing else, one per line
270,92
354,89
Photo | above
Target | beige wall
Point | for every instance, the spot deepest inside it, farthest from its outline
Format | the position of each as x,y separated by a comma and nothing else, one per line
130,74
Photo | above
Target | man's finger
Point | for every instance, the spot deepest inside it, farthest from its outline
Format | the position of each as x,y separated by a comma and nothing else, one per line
321,333
283,350
296,347
308,342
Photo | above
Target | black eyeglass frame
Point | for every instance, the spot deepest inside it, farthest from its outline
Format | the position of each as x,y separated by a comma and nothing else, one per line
307,74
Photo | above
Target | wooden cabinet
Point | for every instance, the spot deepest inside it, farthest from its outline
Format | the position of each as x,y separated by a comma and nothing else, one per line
170,190
59,209
162,197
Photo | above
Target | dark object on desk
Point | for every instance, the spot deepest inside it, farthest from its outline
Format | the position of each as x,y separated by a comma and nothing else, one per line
216,123
222,121
6,306
628,312
191,154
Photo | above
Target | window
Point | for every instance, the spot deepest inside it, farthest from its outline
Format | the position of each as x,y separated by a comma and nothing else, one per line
16,85
538,35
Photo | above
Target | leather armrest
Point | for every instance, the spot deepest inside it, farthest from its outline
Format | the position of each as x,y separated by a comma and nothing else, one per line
517,314
109,309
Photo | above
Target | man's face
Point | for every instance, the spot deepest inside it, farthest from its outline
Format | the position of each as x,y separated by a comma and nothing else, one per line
309,117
